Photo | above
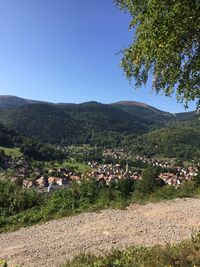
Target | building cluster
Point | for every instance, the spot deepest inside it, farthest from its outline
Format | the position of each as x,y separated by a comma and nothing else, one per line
174,175
112,172
27,174
182,175
115,153
52,180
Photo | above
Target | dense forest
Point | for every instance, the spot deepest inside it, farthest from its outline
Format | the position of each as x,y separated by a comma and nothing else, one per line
154,116
180,140
71,124
8,138
143,129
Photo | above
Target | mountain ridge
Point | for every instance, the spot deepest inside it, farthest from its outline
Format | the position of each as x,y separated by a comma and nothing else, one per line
11,101
72,124
145,129
86,123
131,103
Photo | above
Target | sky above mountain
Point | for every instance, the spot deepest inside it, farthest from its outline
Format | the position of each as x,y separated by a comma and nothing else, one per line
65,51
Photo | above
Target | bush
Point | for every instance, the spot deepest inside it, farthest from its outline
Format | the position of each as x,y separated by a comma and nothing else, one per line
167,192
148,183
14,199
188,189
21,207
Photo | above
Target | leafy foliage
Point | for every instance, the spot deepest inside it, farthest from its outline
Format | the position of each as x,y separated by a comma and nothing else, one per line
148,183
8,137
167,43
37,151
14,199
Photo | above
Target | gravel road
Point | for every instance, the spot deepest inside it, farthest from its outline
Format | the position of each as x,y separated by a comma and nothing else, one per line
51,243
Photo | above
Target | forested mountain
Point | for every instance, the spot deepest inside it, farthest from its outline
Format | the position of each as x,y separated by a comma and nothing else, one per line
155,116
71,124
137,109
99,124
7,101
180,140
7,137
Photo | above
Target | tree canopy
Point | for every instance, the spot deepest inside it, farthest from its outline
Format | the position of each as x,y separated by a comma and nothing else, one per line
166,44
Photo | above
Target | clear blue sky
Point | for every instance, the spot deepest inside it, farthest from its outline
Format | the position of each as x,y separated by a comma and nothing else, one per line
65,51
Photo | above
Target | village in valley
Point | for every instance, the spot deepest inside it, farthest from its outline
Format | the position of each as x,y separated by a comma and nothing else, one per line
100,133
107,165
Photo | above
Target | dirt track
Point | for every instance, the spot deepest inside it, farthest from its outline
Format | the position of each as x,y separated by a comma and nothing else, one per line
51,243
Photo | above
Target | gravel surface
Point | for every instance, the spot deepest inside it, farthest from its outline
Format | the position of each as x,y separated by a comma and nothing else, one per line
50,244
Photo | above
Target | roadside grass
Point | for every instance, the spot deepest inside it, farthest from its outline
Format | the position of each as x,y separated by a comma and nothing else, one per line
46,213
185,254
15,151
88,197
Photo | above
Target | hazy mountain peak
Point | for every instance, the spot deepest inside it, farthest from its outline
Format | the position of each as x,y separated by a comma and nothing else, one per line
10,101
131,103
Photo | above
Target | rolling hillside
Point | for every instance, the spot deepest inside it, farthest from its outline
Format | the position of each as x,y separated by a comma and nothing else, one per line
155,116
95,123
137,109
180,140
77,124
7,102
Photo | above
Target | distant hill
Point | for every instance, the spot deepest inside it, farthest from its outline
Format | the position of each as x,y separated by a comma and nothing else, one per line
180,140
152,114
138,109
7,101
90,122
130,103
72,124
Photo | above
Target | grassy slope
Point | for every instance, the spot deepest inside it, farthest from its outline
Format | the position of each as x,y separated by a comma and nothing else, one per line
11,151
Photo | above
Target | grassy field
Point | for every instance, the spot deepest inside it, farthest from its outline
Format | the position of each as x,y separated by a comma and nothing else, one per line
79,167
11,151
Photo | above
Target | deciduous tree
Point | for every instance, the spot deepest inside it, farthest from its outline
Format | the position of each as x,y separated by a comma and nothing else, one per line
166,44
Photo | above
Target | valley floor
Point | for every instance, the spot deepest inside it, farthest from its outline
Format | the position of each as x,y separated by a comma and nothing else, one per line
50,244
